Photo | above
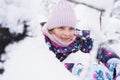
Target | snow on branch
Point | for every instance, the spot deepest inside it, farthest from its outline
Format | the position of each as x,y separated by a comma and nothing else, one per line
101,10
88,5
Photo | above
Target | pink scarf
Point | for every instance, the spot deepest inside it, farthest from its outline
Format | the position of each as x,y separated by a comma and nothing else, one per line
54,38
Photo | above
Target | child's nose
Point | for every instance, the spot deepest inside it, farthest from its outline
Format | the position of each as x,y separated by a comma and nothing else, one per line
67,32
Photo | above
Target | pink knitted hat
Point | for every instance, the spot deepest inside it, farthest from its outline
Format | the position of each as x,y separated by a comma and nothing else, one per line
62,15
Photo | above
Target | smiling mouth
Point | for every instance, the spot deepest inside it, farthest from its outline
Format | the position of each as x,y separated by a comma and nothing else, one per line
66,39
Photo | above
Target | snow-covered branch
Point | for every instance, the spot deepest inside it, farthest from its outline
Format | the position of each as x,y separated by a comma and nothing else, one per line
101,10
88,5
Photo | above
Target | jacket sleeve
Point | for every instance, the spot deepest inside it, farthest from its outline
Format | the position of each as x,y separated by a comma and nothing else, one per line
86,42
87,45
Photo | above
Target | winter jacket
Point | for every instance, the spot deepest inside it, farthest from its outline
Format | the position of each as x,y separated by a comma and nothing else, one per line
72,63
82,42
110,59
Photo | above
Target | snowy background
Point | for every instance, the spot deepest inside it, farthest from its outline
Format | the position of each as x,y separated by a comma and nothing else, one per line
28,58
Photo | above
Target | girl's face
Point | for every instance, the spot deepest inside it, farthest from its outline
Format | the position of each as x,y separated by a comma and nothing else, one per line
64,33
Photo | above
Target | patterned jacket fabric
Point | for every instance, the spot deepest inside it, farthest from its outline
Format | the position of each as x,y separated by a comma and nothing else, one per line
110,59
83,43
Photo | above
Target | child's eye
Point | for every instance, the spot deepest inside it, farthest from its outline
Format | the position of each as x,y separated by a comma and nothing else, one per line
72,28
61,28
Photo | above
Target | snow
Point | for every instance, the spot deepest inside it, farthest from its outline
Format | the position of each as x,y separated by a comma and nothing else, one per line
28,62
30,58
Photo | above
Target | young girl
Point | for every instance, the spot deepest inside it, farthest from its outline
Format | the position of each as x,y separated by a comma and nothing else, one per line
69,43
64,39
